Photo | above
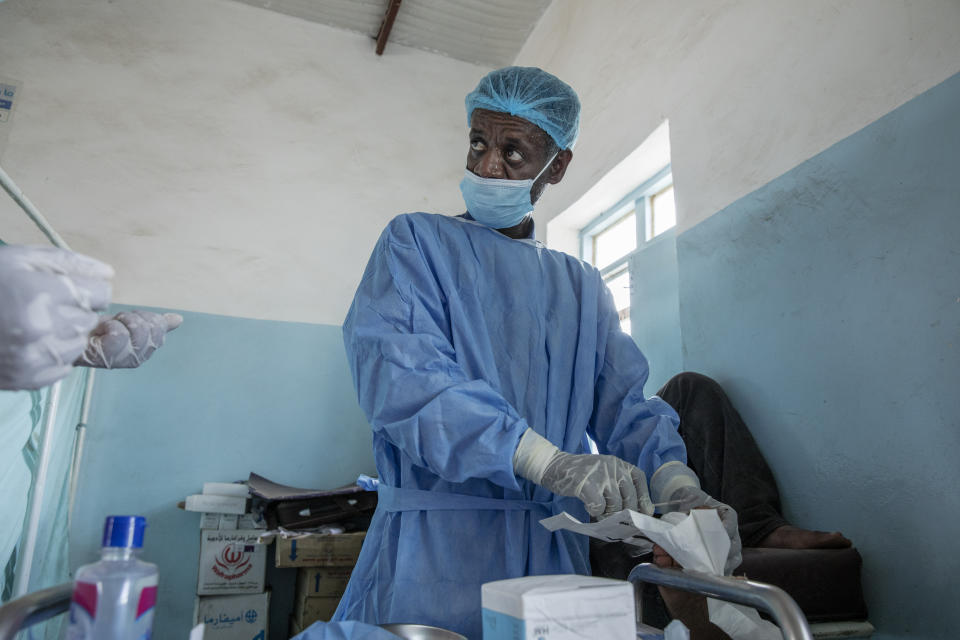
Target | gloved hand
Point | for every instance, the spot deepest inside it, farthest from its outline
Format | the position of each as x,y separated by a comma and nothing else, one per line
48,303
606,484
687,498
127,339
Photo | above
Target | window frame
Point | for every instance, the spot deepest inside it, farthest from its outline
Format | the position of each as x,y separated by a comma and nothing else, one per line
638,200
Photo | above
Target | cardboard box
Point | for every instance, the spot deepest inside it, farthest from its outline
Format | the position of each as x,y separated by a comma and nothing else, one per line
322,581
244,617
315,550
306,611
294,628
567,607
231,562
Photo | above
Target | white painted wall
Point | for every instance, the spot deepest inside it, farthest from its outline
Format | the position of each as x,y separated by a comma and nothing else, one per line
224,158
751,88
232,160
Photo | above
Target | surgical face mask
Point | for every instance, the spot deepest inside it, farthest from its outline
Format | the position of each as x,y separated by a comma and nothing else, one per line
498,203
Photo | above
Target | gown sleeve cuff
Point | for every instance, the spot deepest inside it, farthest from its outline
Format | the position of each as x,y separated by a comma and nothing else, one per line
532,455
670,477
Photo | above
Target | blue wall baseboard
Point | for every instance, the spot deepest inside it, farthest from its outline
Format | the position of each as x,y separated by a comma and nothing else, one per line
828,304
223,397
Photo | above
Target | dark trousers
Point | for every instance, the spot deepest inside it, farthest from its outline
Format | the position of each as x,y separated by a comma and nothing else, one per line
724,455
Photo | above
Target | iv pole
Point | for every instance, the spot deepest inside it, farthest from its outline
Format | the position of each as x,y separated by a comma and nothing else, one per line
21,582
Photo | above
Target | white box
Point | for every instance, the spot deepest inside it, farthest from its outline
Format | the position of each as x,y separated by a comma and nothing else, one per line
233,617
229,521
210,520
231,562
216,504
566,607
239,489
251,521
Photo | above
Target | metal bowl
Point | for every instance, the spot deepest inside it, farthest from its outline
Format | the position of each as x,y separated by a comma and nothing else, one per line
421,632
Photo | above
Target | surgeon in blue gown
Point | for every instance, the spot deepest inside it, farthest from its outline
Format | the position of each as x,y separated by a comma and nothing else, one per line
482,360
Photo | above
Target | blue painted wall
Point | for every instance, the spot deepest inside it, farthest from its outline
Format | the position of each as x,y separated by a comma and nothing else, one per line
655,308
828,304
224,397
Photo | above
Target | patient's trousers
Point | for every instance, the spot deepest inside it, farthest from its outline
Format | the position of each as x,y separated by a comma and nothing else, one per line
724,455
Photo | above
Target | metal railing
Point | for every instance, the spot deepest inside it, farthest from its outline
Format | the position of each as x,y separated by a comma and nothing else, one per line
774,600
33,608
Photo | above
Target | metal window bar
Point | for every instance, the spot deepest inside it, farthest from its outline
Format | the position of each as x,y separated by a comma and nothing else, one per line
774,600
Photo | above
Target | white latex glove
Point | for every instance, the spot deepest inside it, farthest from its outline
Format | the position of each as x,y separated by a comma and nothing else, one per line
48,303
676,487
606,484
127,339
687,498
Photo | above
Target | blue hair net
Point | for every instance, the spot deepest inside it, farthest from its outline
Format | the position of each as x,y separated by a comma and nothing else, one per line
534,95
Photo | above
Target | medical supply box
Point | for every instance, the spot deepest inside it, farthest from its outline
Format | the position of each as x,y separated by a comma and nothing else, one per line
319,550
563,607
231,562
231,521
243,617
323,581
306,611
318,593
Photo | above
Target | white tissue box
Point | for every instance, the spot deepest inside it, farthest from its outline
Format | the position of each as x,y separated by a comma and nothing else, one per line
566,607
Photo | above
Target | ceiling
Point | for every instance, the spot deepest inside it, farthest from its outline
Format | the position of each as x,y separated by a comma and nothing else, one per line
484,32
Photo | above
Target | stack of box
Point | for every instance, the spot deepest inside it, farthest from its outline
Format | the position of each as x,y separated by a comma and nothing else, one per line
324,563
232,601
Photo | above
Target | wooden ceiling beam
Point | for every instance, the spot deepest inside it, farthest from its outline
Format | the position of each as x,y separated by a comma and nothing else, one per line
387,25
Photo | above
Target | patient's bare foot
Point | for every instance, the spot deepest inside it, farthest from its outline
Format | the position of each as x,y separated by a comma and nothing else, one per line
790,537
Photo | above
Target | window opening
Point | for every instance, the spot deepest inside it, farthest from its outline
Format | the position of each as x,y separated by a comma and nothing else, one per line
609,240
619,285
616,241
663,213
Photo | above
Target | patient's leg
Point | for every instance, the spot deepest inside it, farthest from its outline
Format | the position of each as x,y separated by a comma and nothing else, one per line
689,608
723,453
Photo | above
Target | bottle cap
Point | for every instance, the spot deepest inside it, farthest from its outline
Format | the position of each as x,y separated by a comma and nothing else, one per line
124,531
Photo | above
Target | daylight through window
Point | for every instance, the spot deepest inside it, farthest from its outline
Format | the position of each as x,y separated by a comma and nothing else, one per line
608,241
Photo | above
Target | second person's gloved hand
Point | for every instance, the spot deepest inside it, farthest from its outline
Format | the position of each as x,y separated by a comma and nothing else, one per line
49,299
606,484
127,339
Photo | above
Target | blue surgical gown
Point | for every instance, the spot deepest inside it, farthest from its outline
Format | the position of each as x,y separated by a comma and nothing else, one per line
459,339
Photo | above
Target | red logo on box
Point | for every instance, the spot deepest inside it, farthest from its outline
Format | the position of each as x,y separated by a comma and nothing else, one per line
233,561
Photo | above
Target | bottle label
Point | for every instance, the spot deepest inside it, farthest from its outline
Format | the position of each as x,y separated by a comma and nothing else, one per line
148,599
83,609
94,616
